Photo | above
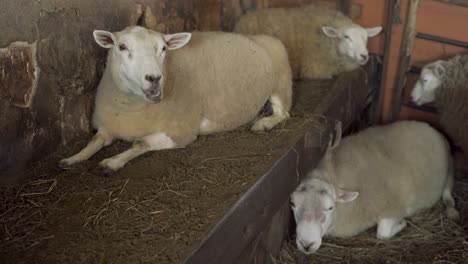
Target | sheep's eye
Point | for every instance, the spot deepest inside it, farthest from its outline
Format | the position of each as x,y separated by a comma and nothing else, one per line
164,48
347,37
330,208
122,47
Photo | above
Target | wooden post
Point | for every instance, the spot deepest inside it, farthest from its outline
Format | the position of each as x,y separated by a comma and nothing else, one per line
405,56
344,6
378,96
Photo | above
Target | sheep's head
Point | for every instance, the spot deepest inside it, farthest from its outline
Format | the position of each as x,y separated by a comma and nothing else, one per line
136,57
352,41
313,204
429,80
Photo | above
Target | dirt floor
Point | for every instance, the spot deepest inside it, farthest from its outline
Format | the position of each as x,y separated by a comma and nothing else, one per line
156,209
429,238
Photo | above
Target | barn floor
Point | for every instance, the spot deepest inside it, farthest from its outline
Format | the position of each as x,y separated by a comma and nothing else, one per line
156,209
429,238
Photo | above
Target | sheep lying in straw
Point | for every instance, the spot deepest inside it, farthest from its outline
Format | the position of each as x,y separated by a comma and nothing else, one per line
160,96
320,42
378,176
446,84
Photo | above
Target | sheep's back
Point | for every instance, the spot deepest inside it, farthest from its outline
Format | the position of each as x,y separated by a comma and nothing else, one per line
451,100
229,75
398,169
311,53
279,23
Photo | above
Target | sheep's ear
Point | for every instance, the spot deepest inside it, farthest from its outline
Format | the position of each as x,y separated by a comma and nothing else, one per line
105,39
330,31
371,32
439,71
345,196
177,41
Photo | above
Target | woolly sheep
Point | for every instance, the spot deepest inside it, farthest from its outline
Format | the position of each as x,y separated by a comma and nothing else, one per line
217,82
320,42
446,84
378,176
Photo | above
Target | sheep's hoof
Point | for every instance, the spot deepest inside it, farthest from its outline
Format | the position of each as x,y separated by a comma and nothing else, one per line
63,165
259,127
453,214
106,171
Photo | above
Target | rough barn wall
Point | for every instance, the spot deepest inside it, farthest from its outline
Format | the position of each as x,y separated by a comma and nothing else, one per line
50,65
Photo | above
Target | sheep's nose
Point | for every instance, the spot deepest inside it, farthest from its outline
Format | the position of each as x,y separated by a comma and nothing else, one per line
307,245
364,56
152,78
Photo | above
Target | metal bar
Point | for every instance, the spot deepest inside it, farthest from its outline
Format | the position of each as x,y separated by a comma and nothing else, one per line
414,70
443,40
455,2
417,70
425,108
379,95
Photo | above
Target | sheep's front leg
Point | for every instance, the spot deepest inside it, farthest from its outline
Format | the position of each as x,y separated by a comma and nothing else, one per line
389,227
157,141
279,115
99,140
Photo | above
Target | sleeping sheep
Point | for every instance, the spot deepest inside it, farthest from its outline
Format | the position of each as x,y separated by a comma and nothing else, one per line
446,84
159,95
376,177
320,42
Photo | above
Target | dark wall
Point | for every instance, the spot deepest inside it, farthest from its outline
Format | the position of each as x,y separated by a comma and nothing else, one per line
50,65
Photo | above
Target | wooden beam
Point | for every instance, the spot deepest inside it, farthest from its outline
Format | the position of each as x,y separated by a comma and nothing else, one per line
379,94
405,55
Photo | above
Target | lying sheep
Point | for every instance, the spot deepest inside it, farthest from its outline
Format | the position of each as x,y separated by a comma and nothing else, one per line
446,84
161,96
320,42
376,177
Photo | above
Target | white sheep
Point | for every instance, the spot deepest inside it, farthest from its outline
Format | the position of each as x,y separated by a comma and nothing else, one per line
446,84
376,177
320,42
161,96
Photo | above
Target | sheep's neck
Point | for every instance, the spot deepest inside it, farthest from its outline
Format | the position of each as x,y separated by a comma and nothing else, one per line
120,97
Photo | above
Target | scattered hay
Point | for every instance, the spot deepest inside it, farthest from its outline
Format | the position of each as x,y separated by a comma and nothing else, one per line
22,212
158,209
429,238
154,210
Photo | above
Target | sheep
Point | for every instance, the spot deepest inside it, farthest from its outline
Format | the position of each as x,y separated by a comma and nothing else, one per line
162,91
320,42
445,83
378,176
